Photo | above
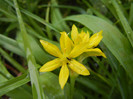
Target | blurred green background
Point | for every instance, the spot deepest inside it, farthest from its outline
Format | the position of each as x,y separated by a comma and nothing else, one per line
24,22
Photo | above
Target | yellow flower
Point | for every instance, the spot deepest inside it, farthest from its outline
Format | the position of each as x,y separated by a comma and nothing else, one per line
64,58
92,42
80,43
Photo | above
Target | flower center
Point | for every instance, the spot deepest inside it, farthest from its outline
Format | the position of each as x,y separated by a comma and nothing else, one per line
65,59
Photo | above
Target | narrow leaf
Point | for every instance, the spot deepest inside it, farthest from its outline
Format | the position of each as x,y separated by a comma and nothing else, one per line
34,75
112,38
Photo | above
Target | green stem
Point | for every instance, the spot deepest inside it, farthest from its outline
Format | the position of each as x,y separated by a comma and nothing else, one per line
73,77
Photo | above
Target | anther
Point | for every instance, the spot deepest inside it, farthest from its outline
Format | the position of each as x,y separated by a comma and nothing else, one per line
68,58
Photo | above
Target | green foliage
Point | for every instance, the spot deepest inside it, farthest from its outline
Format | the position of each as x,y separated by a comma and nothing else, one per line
24,22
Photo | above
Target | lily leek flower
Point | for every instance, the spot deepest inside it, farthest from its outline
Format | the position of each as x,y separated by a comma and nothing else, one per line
64,58
71,49
92,42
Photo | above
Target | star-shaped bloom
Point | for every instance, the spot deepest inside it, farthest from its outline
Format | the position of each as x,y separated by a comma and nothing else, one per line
64,58
92,42
70,49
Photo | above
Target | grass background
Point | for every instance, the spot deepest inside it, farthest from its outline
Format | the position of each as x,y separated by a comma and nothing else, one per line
24,22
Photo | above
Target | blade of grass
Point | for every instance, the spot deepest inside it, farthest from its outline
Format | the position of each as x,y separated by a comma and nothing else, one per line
4,71
50,36
40,55
78,9
33,33
11,27
12,91
13,83
131,15
12,61
120,77
6,11
7,19
11,45
19,93
123,84
110,7
123,8
95,11
94,85
8,14
56,16
36,27
39,19
124,21
34,75
16,93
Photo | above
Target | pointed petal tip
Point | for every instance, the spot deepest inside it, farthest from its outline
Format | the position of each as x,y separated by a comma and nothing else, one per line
42,41
101,32
86,73
62,32
104,56
88,32
82,31
62,86
74,26
41,70
63,76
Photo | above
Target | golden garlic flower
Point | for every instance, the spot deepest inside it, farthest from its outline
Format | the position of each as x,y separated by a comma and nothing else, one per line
70,49
92,42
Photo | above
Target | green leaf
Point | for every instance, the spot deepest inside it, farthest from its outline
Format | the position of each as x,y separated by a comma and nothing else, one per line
40,55
56,17
19,93
13,83
124,22
51,86
4,71
131,15
34,75
6,11
94,85
14,93
12,61
11,45
112,38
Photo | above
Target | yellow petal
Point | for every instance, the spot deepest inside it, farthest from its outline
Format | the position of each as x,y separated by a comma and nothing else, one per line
74,33
78,49
84,36
95,39
94,52
51,49
77,40
63,76
66,43
51,65
78,67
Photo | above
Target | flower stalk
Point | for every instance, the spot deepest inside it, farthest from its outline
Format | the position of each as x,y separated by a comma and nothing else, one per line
73,77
